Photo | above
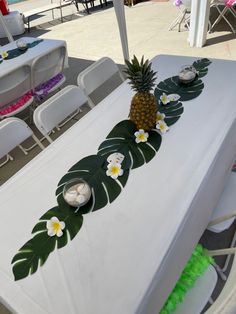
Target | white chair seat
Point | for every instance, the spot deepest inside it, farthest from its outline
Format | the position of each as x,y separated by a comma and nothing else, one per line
197,297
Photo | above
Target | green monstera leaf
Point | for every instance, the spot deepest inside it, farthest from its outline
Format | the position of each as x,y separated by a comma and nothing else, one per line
17,52
185,91
201,66
36,251
122,139
92,169
172,111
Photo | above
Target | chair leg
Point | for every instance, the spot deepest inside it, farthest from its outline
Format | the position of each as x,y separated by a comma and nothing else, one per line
7,159
222,15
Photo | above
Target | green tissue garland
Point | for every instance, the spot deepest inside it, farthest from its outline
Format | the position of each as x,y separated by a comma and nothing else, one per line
195,267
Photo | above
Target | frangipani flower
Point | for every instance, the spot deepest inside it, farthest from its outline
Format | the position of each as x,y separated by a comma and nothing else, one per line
55,227
114,170
4,54
162,126
160,116
141,136
164,99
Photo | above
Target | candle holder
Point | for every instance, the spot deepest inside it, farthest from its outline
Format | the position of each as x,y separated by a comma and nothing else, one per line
77,192
187,74
21,44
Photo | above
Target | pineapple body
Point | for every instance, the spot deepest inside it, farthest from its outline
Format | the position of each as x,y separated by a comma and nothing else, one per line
142,79
143,110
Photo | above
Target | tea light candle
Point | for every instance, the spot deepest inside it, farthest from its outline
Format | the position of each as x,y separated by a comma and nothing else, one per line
77,192
187,74
21,44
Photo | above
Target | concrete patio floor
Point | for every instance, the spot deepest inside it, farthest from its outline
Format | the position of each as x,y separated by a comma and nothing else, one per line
93,36
90,37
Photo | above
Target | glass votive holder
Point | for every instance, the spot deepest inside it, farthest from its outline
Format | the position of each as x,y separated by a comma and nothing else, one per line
21,44
187,74
77,192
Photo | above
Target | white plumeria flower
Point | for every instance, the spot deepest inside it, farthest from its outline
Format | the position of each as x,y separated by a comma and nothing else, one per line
160,116
141,136
55,227
173,97
114,170
164,99
4,54
162,126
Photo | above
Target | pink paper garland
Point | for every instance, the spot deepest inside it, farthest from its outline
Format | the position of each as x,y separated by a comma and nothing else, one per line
16,105
41,92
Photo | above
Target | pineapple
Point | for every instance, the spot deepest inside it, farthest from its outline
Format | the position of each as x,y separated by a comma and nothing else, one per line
143,108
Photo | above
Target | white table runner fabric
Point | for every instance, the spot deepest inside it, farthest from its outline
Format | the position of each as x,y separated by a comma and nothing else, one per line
128,255
28,57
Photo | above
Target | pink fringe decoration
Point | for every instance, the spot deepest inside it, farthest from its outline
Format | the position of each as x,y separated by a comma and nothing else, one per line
16,105
229,3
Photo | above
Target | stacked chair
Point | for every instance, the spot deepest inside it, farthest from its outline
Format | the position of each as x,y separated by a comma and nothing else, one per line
184,15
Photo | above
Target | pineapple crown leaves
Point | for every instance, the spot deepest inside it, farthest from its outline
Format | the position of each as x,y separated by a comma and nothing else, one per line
140,75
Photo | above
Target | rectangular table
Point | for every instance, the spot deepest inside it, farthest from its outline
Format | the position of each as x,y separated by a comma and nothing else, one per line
30,55
128,255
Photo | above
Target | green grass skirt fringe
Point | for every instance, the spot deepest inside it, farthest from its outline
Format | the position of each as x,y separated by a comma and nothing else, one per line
196,266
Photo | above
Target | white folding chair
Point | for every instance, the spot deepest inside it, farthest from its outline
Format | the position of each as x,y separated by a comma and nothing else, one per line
184,15
96,75
61,107
13,132
200,294
223,11
224,215
15,91
46,69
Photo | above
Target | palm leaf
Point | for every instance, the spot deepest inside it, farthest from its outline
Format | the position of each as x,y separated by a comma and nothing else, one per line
185,91
172,111
36,251
201,66
121,139
17,52
173,86
92,169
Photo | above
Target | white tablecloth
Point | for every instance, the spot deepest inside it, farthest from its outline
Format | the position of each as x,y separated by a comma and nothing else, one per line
45,46
128,255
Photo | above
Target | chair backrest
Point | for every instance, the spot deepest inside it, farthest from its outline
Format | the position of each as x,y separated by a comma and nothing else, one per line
13,131
48,65
57,108
97,74
15,84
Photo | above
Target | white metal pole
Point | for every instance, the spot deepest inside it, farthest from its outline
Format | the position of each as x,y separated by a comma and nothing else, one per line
6,30
200,11
120,16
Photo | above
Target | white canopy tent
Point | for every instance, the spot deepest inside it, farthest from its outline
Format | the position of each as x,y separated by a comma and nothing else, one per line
120,15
